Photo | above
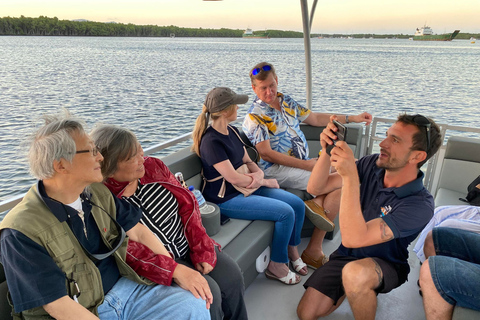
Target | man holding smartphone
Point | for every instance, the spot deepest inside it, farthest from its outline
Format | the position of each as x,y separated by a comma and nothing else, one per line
272,124
383,207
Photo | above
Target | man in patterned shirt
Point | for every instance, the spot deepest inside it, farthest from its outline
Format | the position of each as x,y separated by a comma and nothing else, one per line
272,124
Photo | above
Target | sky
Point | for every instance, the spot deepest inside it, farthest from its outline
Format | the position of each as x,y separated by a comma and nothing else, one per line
331,16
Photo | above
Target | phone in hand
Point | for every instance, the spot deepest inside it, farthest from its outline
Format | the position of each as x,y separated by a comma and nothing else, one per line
341,135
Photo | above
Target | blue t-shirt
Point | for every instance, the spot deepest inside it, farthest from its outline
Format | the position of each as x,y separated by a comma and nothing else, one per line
406,210
214,148
33,278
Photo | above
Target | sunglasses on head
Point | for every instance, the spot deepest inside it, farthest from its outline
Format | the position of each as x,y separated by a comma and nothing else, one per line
258,70
422,121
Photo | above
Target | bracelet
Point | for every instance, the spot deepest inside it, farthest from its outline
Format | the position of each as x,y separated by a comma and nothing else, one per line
346,119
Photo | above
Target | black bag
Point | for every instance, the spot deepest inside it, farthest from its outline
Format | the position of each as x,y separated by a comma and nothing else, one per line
473,196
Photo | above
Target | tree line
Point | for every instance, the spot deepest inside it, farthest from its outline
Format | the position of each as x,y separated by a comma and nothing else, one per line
45,26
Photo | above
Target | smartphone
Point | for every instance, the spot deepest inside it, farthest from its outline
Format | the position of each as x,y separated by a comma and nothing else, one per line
341,135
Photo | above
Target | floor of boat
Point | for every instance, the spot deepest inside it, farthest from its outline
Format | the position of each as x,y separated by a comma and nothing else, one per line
269,299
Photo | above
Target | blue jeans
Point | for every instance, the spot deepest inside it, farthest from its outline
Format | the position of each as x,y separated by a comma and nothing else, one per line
130,300
284,208
455,269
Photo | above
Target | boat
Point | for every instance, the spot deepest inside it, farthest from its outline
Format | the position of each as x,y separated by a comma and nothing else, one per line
250,34
472,40
425,33
447,175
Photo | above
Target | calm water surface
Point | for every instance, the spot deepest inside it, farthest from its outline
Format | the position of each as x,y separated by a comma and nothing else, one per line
156,86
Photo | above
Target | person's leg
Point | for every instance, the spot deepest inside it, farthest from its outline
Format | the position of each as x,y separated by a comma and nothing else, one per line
324,290
360,279
435,306
229,279
313,253
288,177
456,243
299,209
363,279
216,311
452,276
315,304
256,207
130,300
428,247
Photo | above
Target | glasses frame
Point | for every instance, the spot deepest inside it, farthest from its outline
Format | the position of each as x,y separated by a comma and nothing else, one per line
422,121
262,68
94,151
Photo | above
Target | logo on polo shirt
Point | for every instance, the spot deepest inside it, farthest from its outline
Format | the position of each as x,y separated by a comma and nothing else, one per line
385,210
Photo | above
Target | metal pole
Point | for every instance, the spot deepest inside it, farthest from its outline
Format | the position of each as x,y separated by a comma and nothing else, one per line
308,53
314,5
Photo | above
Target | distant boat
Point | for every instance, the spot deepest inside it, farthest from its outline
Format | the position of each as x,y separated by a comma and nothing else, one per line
425,33
472,40
255,35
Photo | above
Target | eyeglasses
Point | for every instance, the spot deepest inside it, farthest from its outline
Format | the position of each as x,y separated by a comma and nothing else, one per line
94,151
264,68
422,121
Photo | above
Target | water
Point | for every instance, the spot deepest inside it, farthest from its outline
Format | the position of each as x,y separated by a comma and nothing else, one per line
156,86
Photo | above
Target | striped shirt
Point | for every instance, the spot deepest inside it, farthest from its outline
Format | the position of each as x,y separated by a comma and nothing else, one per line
160,215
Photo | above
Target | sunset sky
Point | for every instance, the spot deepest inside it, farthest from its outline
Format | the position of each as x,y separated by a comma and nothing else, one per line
331,16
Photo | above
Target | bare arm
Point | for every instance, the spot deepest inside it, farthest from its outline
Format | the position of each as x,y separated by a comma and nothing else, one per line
322,119
321,180
267,154
355,231
66,308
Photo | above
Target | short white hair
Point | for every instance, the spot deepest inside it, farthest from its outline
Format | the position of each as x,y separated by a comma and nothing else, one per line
51,142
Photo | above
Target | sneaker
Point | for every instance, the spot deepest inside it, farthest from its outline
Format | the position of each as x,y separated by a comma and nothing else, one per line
312,263
317,215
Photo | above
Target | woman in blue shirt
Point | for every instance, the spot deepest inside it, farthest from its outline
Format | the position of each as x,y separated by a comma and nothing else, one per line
222,153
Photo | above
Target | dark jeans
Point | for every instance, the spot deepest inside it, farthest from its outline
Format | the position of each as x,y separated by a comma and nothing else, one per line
226,283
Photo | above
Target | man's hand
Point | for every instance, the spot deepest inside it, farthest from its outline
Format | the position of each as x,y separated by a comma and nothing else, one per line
204,267
363,117
271,183
328,134
194,282
257,179
343,160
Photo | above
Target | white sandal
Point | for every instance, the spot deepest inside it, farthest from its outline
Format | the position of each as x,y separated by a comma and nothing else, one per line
290,278
298,265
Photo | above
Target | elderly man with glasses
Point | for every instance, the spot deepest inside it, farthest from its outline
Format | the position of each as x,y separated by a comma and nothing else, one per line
63,247
272,124
383,207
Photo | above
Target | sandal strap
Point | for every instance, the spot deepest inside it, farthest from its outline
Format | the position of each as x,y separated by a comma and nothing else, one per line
298,264
290,278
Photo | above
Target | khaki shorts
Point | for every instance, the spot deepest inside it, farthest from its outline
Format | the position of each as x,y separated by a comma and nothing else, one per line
288,177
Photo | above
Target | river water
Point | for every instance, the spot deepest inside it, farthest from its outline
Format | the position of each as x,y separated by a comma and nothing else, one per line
156,86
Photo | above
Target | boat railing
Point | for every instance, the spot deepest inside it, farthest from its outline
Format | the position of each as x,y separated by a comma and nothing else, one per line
12,202
433,167
371,138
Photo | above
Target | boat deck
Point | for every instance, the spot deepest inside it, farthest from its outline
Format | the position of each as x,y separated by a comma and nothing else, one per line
267,299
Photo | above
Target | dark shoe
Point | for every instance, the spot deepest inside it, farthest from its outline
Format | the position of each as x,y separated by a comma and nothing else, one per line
317,215
312,263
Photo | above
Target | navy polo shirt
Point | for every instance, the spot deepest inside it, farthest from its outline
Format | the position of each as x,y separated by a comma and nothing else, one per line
406,210
33,277
216,147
